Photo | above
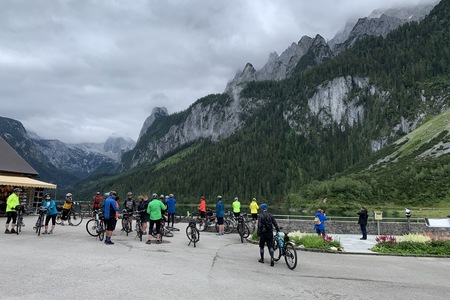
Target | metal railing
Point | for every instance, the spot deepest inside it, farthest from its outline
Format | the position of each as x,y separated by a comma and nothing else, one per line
341,218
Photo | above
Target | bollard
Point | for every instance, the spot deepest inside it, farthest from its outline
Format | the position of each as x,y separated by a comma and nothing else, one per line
408,217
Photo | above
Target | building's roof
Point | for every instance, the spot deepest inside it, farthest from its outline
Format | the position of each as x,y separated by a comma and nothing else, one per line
12,163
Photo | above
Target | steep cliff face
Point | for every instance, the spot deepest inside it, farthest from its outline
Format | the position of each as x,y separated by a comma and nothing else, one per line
213,120
157,112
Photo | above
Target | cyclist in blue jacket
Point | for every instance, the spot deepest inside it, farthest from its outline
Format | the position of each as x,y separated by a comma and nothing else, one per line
110,216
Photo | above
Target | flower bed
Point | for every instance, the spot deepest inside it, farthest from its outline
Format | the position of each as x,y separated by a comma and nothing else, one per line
414,244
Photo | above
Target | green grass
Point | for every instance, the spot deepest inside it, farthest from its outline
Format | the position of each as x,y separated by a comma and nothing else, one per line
424,134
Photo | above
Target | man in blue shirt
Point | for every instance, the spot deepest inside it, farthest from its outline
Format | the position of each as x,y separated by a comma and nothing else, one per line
110,216
220,213
171,209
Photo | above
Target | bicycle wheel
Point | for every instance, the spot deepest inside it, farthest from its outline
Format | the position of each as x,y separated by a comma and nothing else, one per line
290,256
192,234
58,219
101,231
276,249
138,228
126,225
241,231
201,226
177,218
246,231
40,221
228,226
75,218
91,227
19,224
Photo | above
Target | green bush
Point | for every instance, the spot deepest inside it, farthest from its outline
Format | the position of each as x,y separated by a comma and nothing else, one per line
316,242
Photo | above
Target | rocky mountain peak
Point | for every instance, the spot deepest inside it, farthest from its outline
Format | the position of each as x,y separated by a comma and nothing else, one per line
157,112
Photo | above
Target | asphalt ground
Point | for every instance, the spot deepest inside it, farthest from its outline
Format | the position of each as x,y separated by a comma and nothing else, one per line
70,264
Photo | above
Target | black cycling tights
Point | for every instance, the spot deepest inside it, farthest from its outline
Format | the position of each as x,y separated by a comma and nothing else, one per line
170,218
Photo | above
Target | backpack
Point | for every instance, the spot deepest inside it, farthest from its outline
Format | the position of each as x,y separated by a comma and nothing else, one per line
317,221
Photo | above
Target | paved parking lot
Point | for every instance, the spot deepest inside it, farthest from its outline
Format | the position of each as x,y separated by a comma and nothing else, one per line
72,265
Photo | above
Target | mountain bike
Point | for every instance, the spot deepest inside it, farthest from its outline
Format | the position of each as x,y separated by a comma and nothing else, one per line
126,223
20,211
96,226
192,232
138,224
286,248
242,228
40,221
75,217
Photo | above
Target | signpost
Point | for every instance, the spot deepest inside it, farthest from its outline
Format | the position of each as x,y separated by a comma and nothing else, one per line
378,217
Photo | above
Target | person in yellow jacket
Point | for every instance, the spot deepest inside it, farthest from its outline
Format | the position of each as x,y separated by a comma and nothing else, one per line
11,214
67,206
254,210
236,207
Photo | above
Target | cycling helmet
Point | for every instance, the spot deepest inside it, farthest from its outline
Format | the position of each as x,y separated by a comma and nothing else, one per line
154,195
46,195
171,195
219,197
167,197
129,194
106,195
254,199
98,193
113,193
263,206
68,195
202,197
236,198
17,190
161,196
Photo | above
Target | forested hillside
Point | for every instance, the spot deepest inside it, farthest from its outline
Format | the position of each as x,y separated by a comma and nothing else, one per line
286,154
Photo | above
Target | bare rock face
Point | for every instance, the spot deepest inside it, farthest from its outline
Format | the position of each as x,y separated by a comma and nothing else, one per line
157,112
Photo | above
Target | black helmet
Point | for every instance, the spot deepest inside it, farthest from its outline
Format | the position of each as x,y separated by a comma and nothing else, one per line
17,190
113,193
46,195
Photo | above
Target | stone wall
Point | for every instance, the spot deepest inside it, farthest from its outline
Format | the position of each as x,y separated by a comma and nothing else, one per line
348,227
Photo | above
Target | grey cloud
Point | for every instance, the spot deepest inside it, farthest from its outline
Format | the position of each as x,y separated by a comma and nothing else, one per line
79,71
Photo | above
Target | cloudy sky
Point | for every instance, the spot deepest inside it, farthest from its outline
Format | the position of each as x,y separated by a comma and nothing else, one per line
82,70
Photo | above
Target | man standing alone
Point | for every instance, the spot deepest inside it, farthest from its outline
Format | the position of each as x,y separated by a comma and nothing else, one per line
363,216
110,216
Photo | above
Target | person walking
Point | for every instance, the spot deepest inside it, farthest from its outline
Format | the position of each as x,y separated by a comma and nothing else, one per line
266,224
110,216
51,213
11,214
362,221
170,202
236,207
154,209
319,222
220,214
254,210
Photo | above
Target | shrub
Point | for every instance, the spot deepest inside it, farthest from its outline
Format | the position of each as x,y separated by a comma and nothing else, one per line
414,237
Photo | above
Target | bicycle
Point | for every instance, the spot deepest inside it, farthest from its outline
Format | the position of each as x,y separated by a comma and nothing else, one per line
40,221
163,231
192,232
138,224
285,248
20,209
242,228
126,223
96,226
75,217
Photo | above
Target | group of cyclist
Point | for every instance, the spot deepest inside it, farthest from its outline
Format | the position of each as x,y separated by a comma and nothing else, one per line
151,210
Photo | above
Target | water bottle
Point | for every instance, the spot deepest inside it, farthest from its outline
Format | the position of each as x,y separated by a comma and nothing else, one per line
280,239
